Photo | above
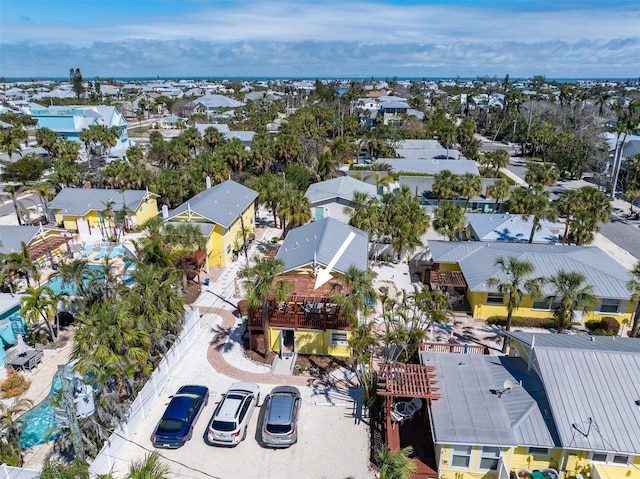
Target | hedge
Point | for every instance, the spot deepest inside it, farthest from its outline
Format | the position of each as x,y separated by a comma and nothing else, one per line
607,326
523,322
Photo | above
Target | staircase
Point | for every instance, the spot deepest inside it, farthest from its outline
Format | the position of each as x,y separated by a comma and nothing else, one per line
284,364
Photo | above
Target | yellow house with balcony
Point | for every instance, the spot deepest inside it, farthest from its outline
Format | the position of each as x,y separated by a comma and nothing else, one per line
225,214
476,261
82,209
561,406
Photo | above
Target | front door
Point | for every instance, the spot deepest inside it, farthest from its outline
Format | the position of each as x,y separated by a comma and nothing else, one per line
288,343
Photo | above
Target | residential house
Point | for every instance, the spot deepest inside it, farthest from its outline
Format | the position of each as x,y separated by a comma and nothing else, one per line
308,321
69,121
474,263
80,209
329,198
211,104
422,188
511,227
559,402
431,166
246,137
225,214
44,244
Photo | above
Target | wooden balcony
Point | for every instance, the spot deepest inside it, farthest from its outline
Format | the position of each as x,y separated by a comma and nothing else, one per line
296,313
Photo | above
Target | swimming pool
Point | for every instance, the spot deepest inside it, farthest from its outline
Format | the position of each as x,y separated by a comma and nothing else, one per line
55,282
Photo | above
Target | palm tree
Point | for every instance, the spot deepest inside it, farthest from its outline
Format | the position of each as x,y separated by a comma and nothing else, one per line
404,219
294,209
583,210
500,191
632,195
515,278
469,185
534,203
545,174
45,193
11,426
259,281
633,285
151,467
270,188
187,238
354,294
397,464
212,137
445,185
364,213
496,159
573,296
19,264
41,305
449,220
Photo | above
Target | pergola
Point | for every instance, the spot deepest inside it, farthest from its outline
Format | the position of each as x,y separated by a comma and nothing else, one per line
46,246
438,279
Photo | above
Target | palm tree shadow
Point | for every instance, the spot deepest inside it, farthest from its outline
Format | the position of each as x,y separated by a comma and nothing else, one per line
219,339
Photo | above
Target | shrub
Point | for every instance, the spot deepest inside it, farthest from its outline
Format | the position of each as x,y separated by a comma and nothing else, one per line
14,385
523,322
607,326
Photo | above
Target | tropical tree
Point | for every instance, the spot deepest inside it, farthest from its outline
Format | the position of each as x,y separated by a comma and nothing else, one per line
11,426
151,467
259,281
633,285
533,202
583,209
545,174
46,138
187,238
500,190
41,305
364,213
631,195
270,188
572,294
75,273
397,464
404,220
515,278
19,263
294,209
449,220
445,185
469,185
496,159
212,138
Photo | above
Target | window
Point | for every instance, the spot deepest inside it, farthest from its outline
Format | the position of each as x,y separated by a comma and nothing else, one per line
495,298
489,457
544,303
539,451
228,249
609,305
338,339
610,458
460,456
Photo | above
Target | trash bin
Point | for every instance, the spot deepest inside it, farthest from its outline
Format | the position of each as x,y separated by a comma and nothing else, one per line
206,281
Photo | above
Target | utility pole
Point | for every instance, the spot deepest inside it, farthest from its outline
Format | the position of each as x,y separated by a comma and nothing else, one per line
70,409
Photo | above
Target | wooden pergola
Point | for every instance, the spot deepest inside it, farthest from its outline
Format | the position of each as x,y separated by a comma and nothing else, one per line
438,279
398,380
46,246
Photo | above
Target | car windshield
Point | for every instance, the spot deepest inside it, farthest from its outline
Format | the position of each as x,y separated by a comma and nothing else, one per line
278,428
169,425
224,426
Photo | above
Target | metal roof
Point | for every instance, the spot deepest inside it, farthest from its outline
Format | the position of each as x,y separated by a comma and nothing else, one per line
221,204
429,154
12,237
511,227
422,187
418,144
470,411
320,241
217,101
80,201
342,187
431,166
477,262
578,341
593,397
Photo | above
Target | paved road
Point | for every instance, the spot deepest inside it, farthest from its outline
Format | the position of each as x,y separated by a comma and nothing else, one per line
6,207
627,236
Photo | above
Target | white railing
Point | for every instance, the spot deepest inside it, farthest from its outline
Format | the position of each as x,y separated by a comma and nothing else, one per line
10,472
119,440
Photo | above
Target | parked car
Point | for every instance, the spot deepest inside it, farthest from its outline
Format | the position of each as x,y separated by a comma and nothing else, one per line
280,419
176,425
228,425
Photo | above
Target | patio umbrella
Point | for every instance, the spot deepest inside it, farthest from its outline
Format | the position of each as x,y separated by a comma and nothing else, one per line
22,346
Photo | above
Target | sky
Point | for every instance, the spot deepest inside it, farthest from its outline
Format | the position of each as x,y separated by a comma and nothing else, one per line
320,38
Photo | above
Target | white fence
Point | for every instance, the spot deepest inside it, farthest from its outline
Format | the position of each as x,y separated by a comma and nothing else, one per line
9,472
119,440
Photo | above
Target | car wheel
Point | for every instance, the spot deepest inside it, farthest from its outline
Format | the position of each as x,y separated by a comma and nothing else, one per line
244,435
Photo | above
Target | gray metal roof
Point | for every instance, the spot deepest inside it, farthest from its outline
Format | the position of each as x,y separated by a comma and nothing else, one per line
429,154
221,204
470,412
323,238
80,201
342,187
431,166
217,101
422,187
510,227
12,237
419,144
477,263
578,341
593,397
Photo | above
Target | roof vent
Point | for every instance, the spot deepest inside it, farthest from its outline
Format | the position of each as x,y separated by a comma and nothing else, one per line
593,339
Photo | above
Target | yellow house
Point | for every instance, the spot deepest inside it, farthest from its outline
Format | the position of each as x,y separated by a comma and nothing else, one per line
563,403
81,209
225,213
308,322
476,261
45,245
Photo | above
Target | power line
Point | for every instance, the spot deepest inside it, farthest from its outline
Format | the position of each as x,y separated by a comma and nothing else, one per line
152,451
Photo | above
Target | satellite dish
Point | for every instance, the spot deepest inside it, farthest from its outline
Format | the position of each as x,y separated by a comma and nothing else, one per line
508,385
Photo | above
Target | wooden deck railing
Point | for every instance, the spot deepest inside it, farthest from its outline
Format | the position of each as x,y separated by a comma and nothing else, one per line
295,317
435,347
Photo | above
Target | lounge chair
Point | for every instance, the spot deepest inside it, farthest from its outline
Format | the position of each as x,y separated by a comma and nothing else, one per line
100,254
87,250
117,251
